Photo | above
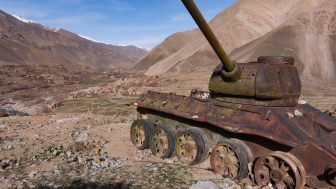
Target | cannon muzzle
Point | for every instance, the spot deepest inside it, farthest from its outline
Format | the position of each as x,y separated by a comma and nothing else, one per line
230,69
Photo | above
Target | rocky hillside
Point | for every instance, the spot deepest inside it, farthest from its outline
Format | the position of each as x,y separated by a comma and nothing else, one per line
309,37
54,41
249,20
168,47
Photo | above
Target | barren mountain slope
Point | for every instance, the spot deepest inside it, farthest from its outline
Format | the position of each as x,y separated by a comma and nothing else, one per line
17,53
131,52
309,37
169,46
241,23
54,43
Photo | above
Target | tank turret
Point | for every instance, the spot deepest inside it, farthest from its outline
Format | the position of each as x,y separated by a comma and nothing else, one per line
271,81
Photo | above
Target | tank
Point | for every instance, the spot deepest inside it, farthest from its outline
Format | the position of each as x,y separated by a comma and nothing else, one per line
249,123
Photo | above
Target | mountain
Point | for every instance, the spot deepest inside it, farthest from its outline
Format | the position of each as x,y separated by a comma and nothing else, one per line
168,47
129,51
309,37
16,53
247,24
132,52
59,42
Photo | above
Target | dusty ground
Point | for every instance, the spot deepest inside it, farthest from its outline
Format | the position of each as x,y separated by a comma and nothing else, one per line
85,143
86,150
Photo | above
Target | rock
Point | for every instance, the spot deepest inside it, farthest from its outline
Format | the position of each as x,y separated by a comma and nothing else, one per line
84,137
97,160
150,164
95,164
297,113
208,184
155,169
302,102
219,176
224,185
290,115
170,161
105,164
69,153
57,172
247,186
33,174
82,160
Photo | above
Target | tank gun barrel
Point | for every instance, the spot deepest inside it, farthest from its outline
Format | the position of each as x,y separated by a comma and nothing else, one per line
206,30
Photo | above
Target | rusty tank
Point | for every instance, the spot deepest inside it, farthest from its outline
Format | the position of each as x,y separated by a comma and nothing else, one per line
250,123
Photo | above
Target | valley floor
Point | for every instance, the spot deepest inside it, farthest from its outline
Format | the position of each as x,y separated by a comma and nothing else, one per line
84,142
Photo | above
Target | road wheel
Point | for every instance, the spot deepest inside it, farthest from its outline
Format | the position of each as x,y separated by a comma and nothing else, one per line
230,159
140,133
191,146
162,141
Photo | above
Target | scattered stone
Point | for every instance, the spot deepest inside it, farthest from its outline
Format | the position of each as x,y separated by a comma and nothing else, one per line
170,161
33,174
84,137
302,102
290,115
97,160
297,113
69,153
150,164
208,184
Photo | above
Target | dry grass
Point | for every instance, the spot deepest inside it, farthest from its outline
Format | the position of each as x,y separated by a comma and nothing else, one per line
24,96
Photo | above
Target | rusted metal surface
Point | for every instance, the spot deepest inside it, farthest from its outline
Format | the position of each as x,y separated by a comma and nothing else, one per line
302,133
256,103
262,84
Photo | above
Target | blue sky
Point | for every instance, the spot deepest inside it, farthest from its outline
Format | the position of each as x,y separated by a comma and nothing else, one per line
143,23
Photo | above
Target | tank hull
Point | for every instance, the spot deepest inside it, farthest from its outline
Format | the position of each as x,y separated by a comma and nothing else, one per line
302,130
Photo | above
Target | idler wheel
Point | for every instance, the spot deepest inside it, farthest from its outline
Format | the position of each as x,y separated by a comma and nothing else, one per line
140,133
281,170
191,146
162,141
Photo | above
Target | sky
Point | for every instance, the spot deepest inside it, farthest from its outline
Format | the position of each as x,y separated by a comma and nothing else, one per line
144,23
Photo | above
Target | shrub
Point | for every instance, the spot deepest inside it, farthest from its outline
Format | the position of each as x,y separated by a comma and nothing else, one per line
45,109
3,113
